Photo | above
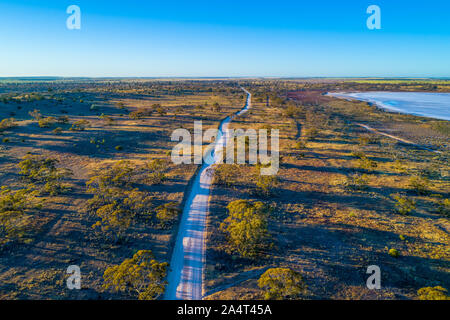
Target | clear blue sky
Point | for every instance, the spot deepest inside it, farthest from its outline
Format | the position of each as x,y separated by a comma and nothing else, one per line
225,38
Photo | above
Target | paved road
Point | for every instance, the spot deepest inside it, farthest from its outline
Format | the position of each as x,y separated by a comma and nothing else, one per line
186,274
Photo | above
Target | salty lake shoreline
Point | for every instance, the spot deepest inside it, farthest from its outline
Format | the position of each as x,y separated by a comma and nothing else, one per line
424,104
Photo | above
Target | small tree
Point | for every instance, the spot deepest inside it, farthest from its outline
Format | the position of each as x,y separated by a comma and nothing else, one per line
140,276
246,226
281,283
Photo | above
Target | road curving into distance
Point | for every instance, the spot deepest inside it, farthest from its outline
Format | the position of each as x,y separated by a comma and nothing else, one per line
185,278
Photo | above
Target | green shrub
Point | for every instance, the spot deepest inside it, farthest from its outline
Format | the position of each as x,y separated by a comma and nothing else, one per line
356,182
216,107
156,171
292,111
444,207
35,114
226,174
281,283
367,164
419,185
265,185
16,208
311,132
167,214
46,122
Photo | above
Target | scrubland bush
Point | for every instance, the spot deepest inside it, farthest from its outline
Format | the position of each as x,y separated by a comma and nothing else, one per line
216,107
44,173
404,205
57,130
364,140
7,123
16,208
433,293
419,185
281,284
139,114
167,214
141,276
358,154
80,125
246,227
114,203
265,185
161,111
356,182
399,166
226,174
